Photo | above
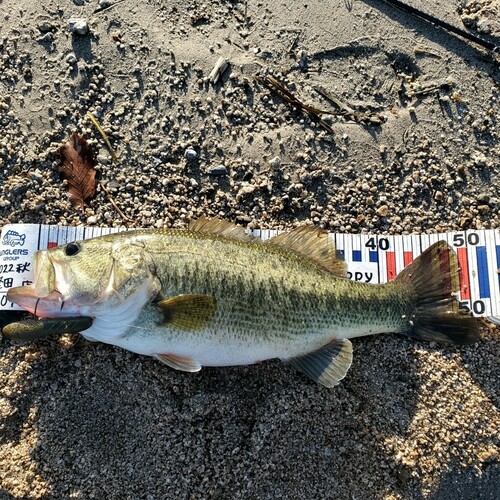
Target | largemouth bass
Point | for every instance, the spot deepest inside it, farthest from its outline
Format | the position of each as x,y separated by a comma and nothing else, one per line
214,296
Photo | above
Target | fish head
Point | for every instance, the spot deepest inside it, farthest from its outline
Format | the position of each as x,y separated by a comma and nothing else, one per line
87,278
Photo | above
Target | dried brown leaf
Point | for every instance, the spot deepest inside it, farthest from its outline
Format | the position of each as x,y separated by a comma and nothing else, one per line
78,169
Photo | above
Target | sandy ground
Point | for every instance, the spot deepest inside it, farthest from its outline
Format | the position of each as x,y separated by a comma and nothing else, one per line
411,420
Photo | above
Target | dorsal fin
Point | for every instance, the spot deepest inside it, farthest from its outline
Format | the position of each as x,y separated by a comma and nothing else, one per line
313,243
220,227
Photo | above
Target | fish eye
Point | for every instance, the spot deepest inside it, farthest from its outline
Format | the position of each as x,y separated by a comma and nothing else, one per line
72,249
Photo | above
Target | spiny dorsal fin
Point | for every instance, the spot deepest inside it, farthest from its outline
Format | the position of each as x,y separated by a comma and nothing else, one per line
329,365
314,244
181,363
220,227
189,312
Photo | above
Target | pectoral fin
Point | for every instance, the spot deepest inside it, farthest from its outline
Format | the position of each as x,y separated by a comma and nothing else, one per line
179,362
329,365
189,312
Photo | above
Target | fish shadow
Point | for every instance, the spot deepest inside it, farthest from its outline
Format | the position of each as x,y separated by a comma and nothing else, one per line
4,495
483,361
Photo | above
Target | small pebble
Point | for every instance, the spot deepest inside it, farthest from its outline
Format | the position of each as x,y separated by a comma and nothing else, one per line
71,58
275,162
483,198
78,26
217,170
190,154
383,211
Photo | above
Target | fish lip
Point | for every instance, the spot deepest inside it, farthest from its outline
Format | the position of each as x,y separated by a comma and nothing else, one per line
27,298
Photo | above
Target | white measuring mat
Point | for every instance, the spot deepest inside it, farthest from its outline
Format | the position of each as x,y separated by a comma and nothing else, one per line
369,258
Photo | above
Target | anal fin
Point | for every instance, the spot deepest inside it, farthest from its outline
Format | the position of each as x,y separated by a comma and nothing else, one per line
329,365
181,363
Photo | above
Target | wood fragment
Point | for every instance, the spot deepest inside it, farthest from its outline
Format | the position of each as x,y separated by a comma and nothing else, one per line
93,119
431,88
347,112
219,69
423,51
117,37
458,98
112,201
77,168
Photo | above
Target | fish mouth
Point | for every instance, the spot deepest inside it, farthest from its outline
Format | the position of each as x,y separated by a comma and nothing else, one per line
42,298
49,306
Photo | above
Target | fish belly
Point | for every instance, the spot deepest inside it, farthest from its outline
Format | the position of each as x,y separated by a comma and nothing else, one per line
225,350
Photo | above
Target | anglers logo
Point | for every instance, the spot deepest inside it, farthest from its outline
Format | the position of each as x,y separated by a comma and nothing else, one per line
13,238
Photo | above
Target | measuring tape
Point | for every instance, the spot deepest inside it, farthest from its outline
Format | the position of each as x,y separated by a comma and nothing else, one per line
369,258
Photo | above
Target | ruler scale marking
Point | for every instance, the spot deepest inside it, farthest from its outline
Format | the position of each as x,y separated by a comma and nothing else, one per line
498,264
492,269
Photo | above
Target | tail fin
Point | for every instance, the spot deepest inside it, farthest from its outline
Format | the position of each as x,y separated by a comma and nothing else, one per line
434,279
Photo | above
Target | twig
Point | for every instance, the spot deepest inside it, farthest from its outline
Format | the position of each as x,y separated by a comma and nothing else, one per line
108,7
442,24
93,119
278,88
110,198
422,51
347,112
429,89
295,40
